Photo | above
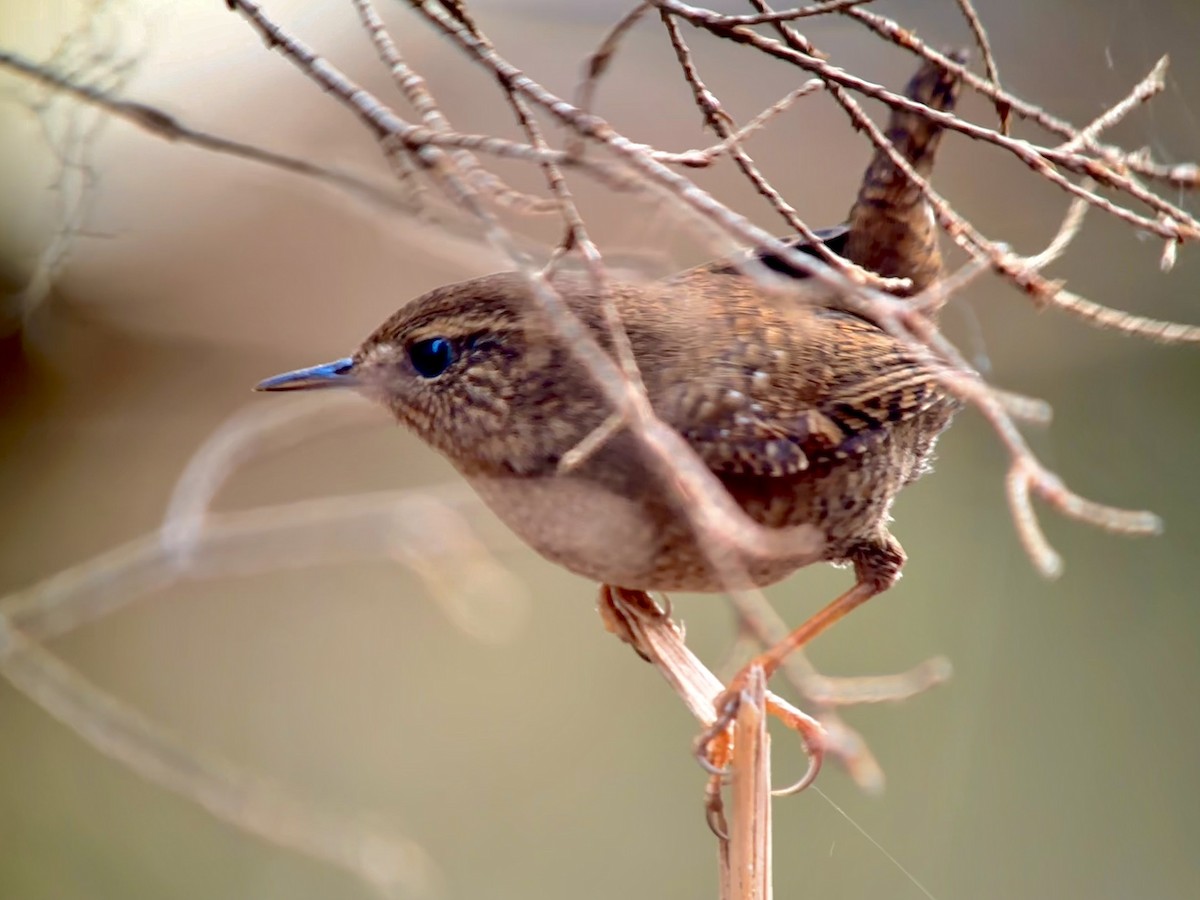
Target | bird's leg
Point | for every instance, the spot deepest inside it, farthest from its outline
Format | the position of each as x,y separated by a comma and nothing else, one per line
635,618
876,566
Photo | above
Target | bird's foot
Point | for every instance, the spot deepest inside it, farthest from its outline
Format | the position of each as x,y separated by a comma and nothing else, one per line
714,746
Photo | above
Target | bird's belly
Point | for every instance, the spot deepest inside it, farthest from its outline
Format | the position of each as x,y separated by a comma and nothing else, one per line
571,521
608,537
616,525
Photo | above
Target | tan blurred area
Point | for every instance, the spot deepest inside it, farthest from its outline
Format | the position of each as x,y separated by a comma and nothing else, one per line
1060,760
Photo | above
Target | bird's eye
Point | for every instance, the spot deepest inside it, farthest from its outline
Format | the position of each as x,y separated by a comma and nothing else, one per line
432,356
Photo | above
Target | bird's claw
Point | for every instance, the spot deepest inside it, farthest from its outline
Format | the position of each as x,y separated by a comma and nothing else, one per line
713,748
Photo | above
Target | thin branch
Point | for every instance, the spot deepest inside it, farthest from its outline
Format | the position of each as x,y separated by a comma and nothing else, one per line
791,15
1182,227
1003,109
1148,87
698,158
598,62
1186,176
161,125
1004,262
721,123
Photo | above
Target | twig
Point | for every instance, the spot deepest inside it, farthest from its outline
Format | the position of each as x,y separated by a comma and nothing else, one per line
1023,276
158,123
653,635
417,92
422,533
749,855
698,158
388,862
1152,84
721,123
1003,109
1186,176
1040,159
791,15
597,64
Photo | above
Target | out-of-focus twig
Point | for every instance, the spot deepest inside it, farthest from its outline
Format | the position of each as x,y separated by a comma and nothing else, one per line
427,535
390,863
167,127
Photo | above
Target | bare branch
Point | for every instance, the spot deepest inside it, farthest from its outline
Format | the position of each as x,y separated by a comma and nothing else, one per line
1003,110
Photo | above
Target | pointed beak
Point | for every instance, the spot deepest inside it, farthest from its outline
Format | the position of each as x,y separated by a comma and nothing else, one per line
339,373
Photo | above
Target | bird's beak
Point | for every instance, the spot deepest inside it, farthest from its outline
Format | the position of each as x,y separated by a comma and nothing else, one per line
339,373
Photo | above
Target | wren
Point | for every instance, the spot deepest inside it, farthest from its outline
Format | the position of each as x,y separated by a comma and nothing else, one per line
805,412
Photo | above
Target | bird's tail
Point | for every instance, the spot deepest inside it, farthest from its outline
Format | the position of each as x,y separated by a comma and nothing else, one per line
892,231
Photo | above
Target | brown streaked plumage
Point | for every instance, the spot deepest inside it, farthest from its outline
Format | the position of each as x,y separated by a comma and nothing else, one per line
807,413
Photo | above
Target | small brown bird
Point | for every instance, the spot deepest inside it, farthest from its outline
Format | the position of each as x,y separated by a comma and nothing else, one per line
806,413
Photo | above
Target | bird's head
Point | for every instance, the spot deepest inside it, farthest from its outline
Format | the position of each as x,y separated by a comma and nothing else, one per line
472,373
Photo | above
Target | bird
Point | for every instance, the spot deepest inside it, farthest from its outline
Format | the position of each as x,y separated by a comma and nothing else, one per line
807,412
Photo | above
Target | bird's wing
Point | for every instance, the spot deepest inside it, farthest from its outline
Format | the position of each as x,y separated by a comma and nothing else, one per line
780,415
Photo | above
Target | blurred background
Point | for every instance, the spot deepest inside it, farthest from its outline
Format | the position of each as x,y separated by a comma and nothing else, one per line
1060,760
